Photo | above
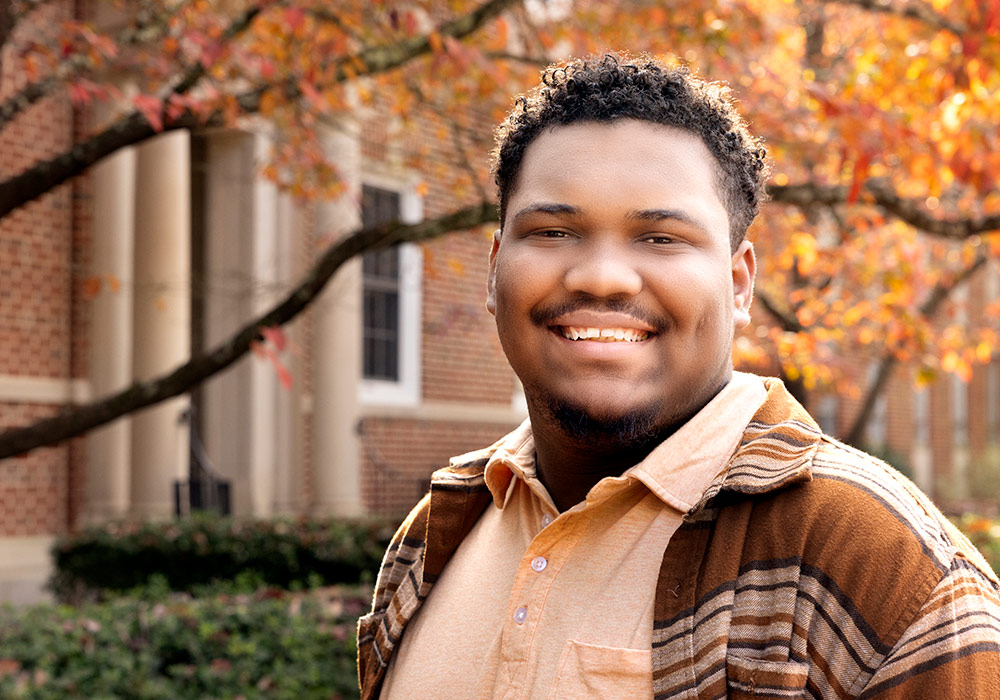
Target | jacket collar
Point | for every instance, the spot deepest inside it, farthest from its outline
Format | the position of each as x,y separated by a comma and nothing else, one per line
776,452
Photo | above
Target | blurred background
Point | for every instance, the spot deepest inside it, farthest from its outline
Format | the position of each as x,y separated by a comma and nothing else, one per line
189,325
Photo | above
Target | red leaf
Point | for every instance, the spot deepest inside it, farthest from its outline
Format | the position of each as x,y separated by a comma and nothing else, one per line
284,376
295,17
78,95
151,108
860,171
275,336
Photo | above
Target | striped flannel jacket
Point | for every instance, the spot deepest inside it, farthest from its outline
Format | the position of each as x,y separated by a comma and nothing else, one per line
807,570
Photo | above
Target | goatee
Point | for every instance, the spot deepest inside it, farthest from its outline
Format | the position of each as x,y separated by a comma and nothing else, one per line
633,430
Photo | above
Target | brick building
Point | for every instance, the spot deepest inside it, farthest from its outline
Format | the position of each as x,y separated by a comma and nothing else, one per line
163,249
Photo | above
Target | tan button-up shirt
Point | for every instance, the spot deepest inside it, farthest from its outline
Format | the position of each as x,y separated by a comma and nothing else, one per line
537,603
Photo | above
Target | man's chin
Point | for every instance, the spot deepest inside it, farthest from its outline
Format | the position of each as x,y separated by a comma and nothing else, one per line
628,427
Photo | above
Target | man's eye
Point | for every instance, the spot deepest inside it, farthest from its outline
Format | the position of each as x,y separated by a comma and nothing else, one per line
660,239
552,234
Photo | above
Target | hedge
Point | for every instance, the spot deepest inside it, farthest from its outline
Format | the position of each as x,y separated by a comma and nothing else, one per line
196,551
985,534
273,644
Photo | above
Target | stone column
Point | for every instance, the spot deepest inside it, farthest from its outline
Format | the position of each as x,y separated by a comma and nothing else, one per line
110,334
226,286
162,317
921,456
289,448
265,420
337,349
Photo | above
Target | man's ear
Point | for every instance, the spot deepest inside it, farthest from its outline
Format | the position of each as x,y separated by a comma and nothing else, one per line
744,268
491,280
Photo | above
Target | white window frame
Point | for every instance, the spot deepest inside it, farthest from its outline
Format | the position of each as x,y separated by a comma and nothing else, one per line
959,412
407,390
877,430
827,412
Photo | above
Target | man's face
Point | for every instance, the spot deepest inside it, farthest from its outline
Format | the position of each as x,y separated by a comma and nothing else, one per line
613,285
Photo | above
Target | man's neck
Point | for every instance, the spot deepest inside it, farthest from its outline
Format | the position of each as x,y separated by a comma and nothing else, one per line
570,465
569,470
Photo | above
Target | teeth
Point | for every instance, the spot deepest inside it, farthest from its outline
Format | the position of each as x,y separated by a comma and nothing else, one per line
604,335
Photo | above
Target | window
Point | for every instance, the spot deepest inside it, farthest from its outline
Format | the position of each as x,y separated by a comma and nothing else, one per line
959,412
826,413
877,429
380,291
993,401
390,303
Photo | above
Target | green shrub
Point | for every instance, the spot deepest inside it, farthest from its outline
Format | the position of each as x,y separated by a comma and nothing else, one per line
200,550
985,534
273,644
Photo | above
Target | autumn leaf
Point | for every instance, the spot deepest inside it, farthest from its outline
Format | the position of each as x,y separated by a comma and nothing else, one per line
91,287
275,336
151,108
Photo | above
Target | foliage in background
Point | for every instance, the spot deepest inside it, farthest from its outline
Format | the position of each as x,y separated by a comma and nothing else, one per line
984,474
880,116
153,644
272,644
196,551
985,534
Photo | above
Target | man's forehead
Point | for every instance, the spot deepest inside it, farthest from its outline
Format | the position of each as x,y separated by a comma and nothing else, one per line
579,138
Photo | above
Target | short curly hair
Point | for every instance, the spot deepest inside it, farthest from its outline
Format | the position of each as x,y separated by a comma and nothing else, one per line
617,86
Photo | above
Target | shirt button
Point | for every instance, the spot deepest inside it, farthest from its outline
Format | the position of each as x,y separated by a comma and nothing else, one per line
520,615
546,520
539,563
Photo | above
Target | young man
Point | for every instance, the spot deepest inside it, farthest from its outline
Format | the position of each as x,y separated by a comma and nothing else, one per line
661,526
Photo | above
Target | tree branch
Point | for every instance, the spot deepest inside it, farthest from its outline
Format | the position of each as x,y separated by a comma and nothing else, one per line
133,128
79,419
536,61
910,9
942,290
785,319
10,16
884,196
73,65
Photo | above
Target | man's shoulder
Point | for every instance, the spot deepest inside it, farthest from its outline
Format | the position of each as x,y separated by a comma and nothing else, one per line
873,512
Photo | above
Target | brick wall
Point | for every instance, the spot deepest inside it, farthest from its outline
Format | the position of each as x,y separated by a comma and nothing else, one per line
399,455
461,355
32,487
36,295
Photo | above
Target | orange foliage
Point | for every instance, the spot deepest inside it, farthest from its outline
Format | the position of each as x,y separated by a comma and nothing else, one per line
912,101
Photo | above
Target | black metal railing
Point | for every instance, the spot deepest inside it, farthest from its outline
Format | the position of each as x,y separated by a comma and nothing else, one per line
205,489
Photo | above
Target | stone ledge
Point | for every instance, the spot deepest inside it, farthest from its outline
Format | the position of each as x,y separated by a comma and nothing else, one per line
25,567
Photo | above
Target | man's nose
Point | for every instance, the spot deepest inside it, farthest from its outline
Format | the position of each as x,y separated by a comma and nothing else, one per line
604,273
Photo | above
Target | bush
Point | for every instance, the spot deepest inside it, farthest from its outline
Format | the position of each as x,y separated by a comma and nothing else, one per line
203,549
273,644
985,534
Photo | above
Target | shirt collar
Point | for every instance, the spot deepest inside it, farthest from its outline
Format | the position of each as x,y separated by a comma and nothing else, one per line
515,456
680,468
678,471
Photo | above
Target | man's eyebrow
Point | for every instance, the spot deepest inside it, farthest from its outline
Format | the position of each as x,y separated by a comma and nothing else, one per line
546,208
666,215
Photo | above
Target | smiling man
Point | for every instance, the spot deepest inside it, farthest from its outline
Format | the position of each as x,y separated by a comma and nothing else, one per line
661,526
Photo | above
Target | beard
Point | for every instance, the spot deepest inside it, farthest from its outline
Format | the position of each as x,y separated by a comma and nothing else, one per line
634,429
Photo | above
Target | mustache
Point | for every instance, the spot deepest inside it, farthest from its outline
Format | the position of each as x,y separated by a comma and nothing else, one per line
547,315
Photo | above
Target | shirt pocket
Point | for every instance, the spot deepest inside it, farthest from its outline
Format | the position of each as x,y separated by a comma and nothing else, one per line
767,680
592,671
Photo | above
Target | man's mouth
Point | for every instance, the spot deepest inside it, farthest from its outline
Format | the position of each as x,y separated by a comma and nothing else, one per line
602,335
